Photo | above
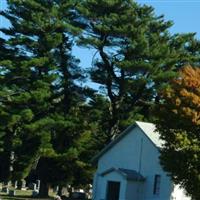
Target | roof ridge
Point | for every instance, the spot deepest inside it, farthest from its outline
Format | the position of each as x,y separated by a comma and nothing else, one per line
149,130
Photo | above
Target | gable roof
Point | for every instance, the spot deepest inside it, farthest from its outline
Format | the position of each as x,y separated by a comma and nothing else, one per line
148,129
126,173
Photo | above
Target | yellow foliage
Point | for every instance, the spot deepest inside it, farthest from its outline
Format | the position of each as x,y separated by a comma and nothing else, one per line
179,126
178,102
183,97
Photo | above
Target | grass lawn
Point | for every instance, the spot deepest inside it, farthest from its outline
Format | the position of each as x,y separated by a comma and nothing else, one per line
21,195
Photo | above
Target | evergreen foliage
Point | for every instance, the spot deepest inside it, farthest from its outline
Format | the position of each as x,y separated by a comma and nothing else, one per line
178,123
51,125
135,55
40,99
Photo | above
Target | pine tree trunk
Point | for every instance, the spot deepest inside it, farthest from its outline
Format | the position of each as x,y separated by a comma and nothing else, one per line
44,190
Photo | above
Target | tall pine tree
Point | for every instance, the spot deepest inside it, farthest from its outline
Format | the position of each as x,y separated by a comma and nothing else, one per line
40,95
135,55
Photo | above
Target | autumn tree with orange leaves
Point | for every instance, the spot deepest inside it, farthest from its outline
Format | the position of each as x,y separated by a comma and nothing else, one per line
179,126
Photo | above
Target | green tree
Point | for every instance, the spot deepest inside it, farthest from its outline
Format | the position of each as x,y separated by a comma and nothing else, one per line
40,95
135,55
179,126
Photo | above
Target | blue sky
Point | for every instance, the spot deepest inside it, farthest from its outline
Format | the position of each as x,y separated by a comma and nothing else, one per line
184,13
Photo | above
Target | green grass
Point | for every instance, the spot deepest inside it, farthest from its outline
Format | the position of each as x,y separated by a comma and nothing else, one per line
19,192
21,195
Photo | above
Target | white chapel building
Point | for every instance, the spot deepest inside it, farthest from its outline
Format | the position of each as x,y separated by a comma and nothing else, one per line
129,168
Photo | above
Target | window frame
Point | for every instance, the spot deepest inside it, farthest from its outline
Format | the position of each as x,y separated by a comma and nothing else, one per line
157,184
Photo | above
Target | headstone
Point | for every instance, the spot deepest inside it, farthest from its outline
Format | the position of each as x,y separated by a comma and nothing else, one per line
5,190
12,193
65,191
55,189
90,192
15,185
35,187
38,184
23,185
35,193
9,183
